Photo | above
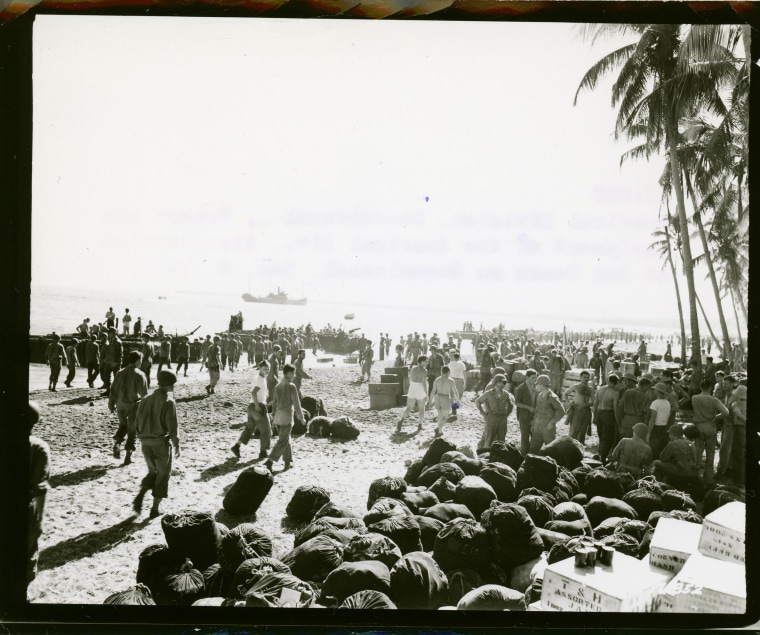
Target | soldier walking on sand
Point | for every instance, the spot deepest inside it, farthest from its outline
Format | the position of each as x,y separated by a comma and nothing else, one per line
213,363
183,354
147,357
55,355
443,394
72,361
285,404
113,358
258,418
156,423
165,353
92,359
129,386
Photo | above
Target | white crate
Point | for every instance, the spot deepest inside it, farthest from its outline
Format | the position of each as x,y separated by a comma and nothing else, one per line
673,542
723,533
629,585
706,585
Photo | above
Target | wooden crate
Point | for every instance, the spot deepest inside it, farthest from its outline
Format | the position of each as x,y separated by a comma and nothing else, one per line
723,533
402,372
705,585
383,396
673,542
628,585
389,378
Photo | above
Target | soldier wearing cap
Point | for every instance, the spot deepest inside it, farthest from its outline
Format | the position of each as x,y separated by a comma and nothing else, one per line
549,410
156,423
213,363
495,405
55,355
258,418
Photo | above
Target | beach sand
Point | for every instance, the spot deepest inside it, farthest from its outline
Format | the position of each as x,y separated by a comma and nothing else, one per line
91,541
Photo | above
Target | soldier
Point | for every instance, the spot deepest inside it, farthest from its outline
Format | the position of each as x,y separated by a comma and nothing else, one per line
258,418
92,359
300,372
183,354
55,355
129,386
156,425
165,353
285,404
113,358
72,361
213,363
147,357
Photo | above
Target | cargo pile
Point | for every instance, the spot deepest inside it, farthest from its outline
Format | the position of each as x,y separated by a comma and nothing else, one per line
496,531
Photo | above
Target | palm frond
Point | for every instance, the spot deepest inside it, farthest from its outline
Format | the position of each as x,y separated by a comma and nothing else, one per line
605,65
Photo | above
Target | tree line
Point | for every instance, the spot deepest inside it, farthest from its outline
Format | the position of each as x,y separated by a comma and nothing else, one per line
682,96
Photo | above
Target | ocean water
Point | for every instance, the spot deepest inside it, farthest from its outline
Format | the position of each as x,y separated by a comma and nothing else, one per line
63,309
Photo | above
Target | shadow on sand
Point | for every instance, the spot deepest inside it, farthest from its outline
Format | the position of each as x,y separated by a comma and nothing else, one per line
90,543
89,473
231,464
80,401
191,398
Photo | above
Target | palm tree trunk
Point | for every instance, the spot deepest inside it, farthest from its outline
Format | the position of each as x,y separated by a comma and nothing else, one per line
671,132
710,267
709,328
678,298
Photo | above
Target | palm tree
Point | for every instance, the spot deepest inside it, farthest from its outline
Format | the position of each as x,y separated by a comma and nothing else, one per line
663,246
656,86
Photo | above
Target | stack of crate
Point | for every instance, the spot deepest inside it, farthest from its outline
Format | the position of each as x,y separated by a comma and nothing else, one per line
626,585
392,389
712,577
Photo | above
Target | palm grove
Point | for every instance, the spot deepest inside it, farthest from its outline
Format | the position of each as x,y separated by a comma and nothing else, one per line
682,97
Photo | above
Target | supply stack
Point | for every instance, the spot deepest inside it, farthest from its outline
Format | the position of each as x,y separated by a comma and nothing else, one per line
392,389
599,579
710,574
691,568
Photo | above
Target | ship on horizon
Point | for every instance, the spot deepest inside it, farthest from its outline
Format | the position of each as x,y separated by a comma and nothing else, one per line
274,298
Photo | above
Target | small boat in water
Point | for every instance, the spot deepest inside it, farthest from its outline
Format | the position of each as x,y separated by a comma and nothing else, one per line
348,316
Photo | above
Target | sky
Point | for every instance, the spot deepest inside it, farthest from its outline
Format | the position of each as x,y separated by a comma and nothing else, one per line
413,163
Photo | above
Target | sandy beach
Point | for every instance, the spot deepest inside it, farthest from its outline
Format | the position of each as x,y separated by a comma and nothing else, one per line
91,540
